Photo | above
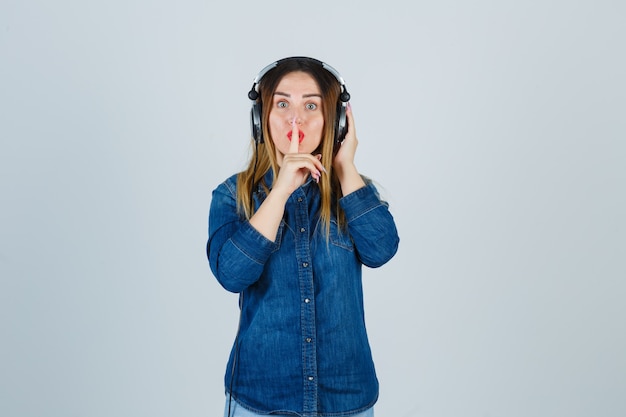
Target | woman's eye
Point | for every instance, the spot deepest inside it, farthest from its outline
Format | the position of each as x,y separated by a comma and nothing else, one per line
311,106
282,104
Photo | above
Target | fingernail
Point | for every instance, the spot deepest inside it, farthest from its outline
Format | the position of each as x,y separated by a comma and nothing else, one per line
293,122
319,156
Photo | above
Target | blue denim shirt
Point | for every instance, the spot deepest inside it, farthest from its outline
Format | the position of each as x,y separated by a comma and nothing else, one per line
302,343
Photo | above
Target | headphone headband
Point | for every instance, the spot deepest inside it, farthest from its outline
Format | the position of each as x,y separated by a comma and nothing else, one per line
253,94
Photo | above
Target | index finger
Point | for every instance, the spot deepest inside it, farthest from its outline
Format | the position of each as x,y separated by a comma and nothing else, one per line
295,137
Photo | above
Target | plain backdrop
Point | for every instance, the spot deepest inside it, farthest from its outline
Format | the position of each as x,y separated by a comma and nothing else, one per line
495,129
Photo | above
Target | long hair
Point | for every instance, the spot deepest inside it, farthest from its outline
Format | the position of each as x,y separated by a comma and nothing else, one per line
264,154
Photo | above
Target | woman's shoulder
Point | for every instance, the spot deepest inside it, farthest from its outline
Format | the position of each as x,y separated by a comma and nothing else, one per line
228,186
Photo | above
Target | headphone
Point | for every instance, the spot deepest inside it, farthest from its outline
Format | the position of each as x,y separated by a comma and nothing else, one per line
341,126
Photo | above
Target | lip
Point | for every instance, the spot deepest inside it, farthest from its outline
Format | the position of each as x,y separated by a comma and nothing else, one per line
300,136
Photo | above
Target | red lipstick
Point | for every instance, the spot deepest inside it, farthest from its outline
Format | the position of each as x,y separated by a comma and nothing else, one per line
300,136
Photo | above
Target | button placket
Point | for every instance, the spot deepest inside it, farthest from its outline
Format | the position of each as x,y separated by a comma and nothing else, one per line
307,293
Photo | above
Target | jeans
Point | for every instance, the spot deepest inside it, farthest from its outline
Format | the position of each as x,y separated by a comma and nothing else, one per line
238,411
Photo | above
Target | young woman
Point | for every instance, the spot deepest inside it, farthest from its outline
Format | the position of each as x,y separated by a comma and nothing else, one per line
290,234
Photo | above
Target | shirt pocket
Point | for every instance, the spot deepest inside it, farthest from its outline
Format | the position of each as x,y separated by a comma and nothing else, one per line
340,237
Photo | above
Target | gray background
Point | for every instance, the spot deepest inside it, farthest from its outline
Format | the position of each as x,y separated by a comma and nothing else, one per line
495,129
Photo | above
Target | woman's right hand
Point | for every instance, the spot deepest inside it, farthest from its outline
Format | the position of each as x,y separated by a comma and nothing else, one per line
296,167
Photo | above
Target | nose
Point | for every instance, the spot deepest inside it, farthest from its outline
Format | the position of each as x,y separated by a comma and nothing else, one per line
295,115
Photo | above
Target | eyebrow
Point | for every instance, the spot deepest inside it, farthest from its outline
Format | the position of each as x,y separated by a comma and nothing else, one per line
279,93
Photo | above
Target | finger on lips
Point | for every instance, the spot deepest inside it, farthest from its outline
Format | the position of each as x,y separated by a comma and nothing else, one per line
294,147
295,134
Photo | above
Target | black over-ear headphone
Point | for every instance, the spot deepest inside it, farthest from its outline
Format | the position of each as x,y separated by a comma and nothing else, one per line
341,127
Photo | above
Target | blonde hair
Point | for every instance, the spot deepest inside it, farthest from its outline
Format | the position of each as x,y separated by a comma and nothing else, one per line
263,157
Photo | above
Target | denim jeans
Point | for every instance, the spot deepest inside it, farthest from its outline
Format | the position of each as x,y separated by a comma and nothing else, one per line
238,411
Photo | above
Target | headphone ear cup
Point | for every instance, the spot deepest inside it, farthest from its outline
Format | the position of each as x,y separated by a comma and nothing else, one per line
255,122
341,128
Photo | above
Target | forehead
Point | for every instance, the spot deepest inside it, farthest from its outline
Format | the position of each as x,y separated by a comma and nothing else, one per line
298,82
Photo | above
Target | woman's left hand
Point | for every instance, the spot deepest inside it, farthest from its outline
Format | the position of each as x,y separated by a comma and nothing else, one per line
343,164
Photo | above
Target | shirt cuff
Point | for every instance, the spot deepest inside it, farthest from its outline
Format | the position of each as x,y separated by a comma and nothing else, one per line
253,244
360,202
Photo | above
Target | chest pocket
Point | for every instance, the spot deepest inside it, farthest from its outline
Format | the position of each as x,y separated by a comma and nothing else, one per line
340,237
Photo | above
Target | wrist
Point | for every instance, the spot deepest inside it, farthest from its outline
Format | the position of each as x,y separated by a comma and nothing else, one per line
278,196
349,178
345,168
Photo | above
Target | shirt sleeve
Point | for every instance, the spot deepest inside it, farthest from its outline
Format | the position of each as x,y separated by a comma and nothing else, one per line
371,226
237,252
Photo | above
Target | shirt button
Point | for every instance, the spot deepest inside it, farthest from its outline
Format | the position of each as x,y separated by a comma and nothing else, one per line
308,340
307,300
299,199
305,264
302,230
310,378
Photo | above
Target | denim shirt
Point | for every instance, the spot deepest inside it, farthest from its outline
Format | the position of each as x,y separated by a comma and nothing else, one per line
302,345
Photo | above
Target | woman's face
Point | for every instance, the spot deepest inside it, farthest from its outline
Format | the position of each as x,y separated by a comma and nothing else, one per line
297,95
